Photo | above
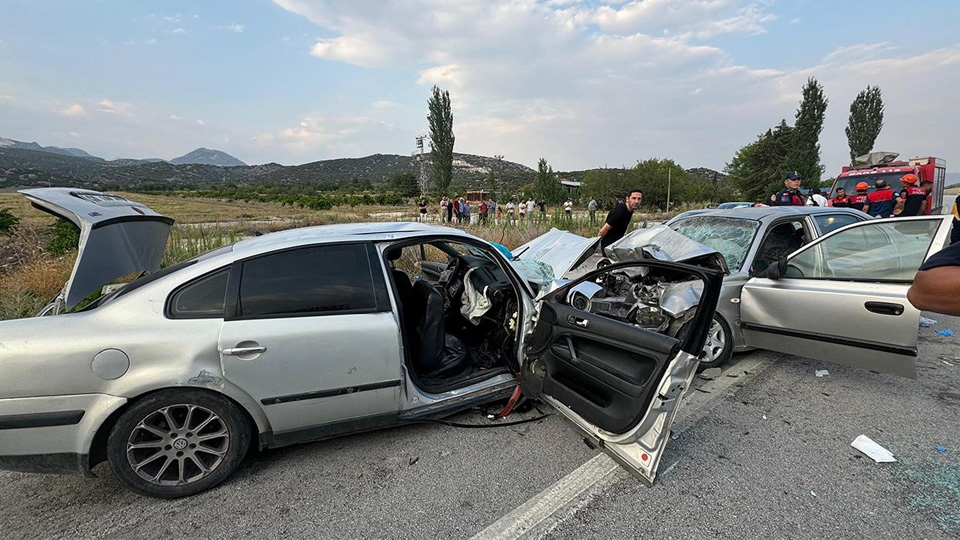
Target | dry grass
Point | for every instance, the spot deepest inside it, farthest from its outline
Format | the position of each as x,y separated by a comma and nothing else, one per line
27,288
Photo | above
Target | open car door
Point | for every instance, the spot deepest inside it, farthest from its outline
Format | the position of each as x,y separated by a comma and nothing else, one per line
615,350
843,298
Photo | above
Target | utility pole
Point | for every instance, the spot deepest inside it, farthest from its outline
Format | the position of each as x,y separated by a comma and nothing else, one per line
668,188
422,178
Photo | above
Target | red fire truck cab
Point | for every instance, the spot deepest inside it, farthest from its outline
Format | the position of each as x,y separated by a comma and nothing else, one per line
926,168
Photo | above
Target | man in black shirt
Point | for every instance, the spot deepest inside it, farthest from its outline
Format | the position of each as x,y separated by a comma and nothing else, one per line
936,287
619,218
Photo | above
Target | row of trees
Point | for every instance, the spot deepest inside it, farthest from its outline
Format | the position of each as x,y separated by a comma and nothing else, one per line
759,168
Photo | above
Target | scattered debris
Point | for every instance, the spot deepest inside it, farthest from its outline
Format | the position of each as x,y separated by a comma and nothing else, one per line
873,450
946,362
414,460
702,390
946,332
821,373
926,323
732,375
941,448
670,468
764,417
813,494
710,374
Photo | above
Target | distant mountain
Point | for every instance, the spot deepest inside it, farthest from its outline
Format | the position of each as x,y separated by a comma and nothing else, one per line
206,156
952,179
75,152
29,167
704,174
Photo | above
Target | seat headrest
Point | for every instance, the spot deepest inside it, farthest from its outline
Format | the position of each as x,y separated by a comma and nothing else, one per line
393,254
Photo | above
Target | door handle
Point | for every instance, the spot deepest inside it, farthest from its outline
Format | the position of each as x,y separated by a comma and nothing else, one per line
240,351
582,323
884,308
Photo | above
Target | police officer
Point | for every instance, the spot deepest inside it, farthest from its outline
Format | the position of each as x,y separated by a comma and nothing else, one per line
790,195
859,200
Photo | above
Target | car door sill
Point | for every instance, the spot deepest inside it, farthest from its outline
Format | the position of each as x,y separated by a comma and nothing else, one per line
862,344
452,405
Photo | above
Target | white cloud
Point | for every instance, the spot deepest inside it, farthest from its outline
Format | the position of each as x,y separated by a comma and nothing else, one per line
6,98
384,104
74,110
233,27
590,82
177,31
172,18
151,41
116,107
74,134
796,21
176,118
201,122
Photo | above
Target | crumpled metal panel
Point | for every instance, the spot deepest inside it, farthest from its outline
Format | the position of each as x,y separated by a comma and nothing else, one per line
664,244
561,250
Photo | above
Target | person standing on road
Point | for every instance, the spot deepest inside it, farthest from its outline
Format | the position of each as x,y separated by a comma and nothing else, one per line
522,209
592,208
912,200
619,219
543,208
568,209
936,287
880,202
445,209
859,200
495,211
790,194
531,205
465,211
423,210
816,198
510,212
927,187
841,200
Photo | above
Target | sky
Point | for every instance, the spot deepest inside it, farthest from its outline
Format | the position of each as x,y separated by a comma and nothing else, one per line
583,84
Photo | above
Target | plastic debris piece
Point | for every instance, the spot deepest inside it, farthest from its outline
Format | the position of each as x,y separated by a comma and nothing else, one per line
821,373
941,448
813,493
926,323
873,450
710,374
764,417
414,460
946,332
946,362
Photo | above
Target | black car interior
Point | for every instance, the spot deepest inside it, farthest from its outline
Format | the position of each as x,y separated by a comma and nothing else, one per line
444,347
781,240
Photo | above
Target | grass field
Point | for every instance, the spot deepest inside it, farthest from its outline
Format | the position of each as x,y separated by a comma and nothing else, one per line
30,276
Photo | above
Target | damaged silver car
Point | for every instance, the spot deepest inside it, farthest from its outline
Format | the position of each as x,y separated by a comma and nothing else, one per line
828,283
311,333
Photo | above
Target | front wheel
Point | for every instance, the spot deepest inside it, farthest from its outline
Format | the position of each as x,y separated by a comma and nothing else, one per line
718,348
178,442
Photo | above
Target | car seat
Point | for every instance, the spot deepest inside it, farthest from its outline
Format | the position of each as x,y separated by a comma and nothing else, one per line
436,353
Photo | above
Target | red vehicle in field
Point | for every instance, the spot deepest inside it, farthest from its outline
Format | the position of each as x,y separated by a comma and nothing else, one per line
890,169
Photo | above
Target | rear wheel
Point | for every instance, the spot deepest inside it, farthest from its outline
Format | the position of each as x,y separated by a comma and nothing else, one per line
718,347
178,442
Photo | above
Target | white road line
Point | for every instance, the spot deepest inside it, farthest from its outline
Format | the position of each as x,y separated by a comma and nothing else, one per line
538,515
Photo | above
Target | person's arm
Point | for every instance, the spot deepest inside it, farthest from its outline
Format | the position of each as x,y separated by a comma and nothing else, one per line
923,208
936,289
604,230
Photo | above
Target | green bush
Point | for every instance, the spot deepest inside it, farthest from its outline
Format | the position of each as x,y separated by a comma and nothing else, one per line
8,221
66,238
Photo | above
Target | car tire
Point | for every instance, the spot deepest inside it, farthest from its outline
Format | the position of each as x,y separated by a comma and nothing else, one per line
179,442
718,348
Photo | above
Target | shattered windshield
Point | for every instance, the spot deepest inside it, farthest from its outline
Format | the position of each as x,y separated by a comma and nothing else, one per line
732,237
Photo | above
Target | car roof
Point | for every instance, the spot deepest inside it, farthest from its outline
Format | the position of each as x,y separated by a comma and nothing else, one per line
765,213
345,232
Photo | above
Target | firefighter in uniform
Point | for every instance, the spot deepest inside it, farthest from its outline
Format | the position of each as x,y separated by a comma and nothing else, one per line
912,200
841,200
859,201
790,195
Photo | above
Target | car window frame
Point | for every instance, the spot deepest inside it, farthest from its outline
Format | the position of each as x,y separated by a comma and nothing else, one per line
826,237
168,311
809,230
821,232
381,296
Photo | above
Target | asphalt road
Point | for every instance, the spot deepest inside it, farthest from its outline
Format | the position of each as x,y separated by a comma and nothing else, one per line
771,457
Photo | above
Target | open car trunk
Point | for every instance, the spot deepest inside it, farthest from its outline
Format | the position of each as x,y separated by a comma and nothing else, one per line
117,237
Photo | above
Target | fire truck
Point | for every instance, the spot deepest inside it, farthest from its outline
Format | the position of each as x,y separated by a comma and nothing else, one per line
884,165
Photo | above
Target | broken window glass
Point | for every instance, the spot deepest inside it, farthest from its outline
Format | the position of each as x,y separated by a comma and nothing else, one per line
732,237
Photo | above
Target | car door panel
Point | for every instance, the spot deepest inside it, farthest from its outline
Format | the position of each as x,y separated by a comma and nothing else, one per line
833,305
618,382
793,319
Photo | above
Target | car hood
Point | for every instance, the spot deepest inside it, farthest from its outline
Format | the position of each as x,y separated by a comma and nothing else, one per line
117,236
664,244
562,251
